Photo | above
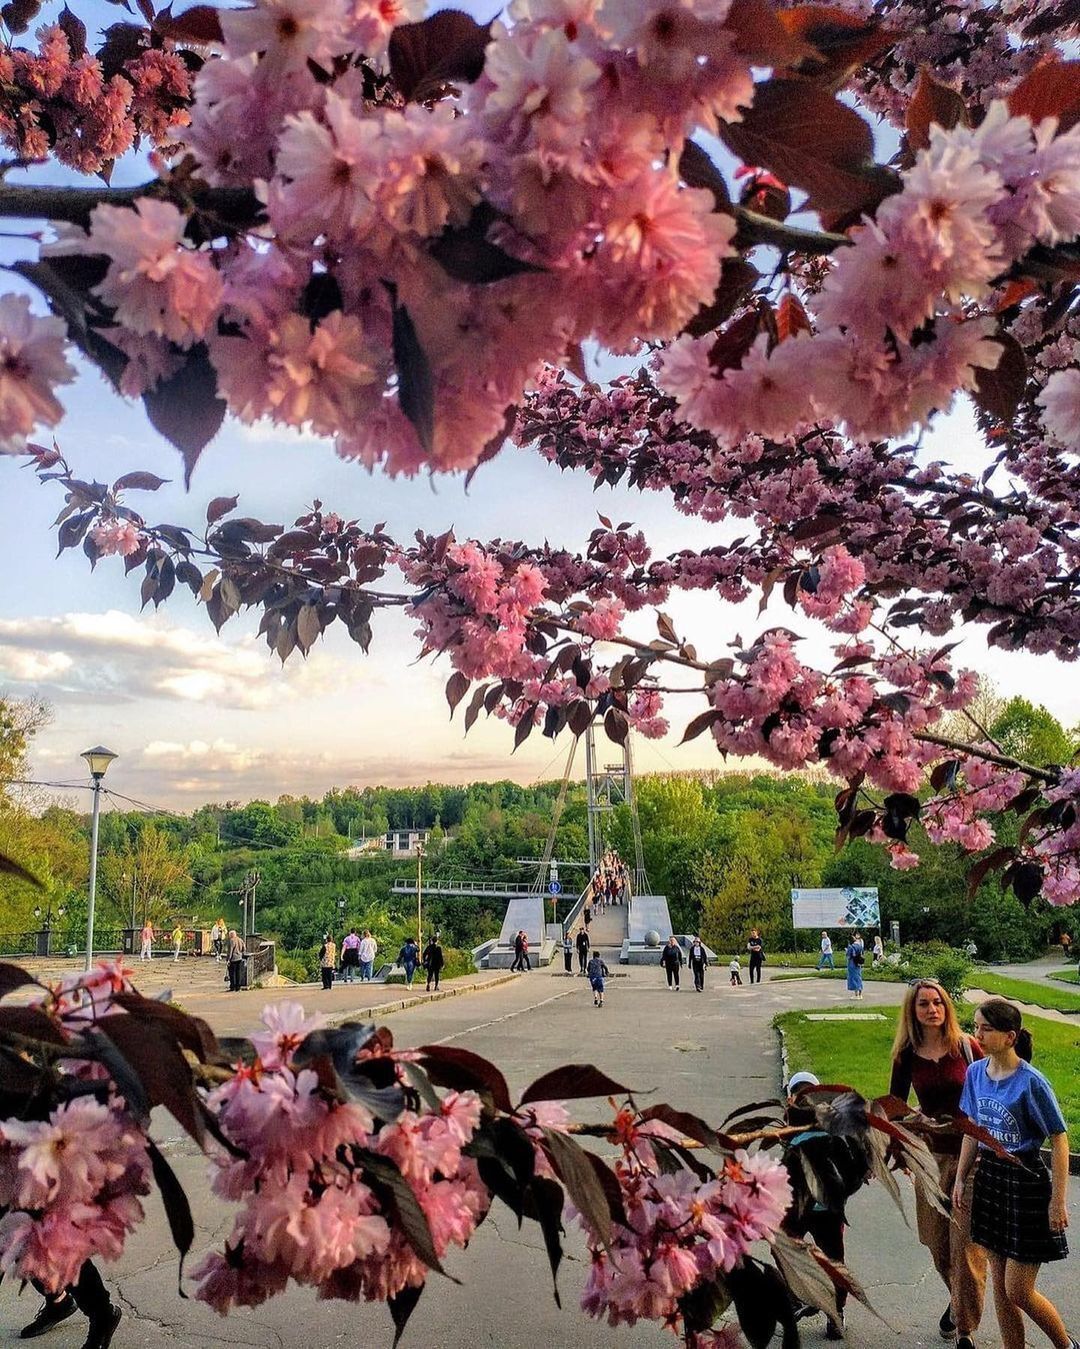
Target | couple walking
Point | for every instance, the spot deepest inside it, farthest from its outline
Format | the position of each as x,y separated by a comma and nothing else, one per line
671,957
521,953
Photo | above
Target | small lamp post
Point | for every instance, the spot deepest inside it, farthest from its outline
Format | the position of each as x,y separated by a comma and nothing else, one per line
98,760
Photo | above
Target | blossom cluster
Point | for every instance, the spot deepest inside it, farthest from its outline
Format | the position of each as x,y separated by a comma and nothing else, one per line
681,1230
893,342
71,1182
58,100
308,1211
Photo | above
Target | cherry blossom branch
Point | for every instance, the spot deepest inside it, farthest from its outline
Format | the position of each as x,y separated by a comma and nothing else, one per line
989,756
73,205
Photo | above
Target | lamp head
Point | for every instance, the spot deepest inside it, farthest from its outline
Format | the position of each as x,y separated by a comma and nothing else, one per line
98,760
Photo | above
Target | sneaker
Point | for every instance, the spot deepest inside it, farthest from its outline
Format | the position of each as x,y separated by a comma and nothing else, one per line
53,1311
102,1330
947,1326
966,1342
835,1329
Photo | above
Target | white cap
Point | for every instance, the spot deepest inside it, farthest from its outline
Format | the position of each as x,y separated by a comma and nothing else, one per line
803,1079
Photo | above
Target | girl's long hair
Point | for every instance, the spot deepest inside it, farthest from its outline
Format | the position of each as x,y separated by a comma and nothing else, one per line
909,1031
1001,1015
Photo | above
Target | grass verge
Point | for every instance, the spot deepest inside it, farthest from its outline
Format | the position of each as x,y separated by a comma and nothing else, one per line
1027,990
858,1053
1067,977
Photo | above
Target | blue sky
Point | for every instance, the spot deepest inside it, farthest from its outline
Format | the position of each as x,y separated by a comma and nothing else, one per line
196,717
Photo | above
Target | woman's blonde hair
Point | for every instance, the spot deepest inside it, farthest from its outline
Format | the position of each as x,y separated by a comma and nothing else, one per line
909,1033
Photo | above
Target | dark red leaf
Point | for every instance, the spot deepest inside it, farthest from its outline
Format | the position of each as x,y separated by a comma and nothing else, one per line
200,25
74,30
1051,90
462,1070
933,103
13,977
998,392
448,46
700,723
139,482
456,688
574,1169
572,1082
9,867
416,384
186,408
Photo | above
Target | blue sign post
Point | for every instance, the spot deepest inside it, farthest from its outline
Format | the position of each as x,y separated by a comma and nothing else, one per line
554,888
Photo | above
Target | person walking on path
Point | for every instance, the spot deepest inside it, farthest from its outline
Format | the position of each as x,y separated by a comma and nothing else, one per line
930,1055
236,960
826,957
671,957
698,961
597,973
218,936
582,949
568,954
433,962
350,955
177,941
756,947
878,951
735,970
147,950
1018,1213
89,1296
520,958
856,954
368,949
327,960
408,959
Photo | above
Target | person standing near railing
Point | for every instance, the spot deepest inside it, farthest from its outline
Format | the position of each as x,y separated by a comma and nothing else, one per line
236,960
177,941
147,950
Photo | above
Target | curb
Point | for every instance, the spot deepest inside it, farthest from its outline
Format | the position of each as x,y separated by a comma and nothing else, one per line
403,1004
785,1073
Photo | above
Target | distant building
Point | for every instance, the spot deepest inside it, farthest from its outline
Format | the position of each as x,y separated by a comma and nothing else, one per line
396,842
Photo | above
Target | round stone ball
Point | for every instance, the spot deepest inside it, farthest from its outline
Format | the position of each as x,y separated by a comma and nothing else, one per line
652,938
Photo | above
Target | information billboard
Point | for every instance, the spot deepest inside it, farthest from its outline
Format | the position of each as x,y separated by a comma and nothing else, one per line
845,906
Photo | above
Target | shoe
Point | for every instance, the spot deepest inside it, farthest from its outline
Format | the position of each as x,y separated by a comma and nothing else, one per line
947,1326
966,1342
53,1311
102,1331
834,1331
804,1310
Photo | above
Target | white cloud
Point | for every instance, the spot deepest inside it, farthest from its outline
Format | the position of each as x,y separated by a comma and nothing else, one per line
118,657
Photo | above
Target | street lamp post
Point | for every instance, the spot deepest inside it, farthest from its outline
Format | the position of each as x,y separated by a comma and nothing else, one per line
98,760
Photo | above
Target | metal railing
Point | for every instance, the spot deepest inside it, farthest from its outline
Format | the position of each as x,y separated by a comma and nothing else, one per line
261,961
499,889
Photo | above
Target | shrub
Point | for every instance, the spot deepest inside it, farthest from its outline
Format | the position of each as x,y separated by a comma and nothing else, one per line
294,968
935,960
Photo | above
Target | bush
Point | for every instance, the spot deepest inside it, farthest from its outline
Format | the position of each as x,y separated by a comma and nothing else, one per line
292,967
935,960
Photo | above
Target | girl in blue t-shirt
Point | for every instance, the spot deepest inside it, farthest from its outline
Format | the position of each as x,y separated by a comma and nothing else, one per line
1018,1212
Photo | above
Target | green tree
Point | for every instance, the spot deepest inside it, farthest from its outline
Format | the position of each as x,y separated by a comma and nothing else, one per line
1032,734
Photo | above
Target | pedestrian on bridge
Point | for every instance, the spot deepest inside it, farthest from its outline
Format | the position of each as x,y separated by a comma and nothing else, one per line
521,953
433,962
568,953
368,949
350,955
583,944
408,959
327,959
698,962
147,950
236,960
177,941
597,972
671,957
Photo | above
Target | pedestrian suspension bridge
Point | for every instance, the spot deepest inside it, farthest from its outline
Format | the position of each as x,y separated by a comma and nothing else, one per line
628,931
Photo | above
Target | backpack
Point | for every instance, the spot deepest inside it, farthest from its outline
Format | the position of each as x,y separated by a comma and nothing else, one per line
857,957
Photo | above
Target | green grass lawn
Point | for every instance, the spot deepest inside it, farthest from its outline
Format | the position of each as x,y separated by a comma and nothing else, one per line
858,1053
1067,977
886,975
1026,990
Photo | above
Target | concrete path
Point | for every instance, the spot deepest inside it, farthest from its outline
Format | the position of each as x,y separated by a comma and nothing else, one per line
702,1052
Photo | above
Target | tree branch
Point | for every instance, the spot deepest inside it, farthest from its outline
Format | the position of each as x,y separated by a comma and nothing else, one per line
1005,760
235,205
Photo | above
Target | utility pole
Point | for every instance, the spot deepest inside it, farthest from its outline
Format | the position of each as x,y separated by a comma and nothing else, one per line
253,878
419,902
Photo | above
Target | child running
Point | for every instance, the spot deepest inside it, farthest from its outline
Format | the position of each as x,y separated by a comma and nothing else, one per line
1018,1212
736,971
597,972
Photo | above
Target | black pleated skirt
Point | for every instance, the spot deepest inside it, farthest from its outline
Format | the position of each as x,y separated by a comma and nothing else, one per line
1010,1210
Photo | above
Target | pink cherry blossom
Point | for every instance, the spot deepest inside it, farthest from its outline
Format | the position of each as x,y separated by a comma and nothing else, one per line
32,364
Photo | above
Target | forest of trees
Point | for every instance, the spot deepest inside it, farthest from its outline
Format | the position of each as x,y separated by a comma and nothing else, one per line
725,848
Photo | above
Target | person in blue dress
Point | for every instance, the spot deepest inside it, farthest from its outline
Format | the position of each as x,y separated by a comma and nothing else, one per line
856,953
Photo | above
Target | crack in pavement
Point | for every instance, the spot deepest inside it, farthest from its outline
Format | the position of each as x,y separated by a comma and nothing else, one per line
508,1016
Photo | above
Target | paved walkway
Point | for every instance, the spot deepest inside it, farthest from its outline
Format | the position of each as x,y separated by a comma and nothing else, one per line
702,1052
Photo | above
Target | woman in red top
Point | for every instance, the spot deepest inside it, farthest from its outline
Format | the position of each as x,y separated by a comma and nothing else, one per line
931,1054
